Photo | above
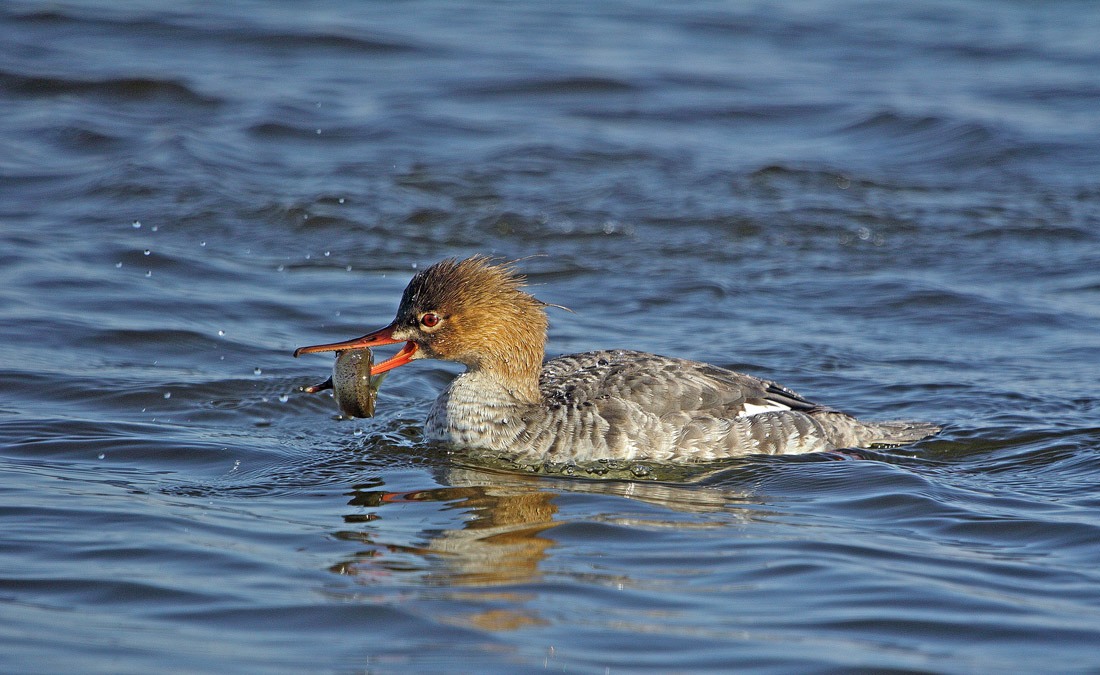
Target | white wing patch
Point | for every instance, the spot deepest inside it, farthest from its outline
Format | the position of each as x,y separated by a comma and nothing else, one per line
750,409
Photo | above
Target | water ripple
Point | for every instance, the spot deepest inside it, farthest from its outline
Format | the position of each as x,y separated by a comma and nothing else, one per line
892,209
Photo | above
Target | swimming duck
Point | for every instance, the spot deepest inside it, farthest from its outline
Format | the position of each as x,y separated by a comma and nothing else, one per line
599,405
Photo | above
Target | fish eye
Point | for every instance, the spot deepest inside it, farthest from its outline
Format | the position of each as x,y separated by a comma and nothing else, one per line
430,320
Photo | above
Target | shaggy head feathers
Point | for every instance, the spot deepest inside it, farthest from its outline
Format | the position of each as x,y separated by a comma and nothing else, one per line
488,321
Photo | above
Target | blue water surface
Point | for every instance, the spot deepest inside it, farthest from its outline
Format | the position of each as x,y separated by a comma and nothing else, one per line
893,209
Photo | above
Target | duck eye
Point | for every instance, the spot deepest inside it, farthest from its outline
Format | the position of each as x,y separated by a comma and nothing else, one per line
429,320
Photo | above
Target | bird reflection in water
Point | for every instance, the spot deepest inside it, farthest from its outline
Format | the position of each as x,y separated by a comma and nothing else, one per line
501,537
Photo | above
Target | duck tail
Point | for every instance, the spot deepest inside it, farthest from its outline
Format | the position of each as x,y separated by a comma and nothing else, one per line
845,431
900,432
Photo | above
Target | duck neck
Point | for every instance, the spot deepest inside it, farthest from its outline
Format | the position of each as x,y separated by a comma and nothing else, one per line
507,357
512,369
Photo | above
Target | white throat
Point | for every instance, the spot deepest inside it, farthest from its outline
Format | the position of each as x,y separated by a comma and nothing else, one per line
476,410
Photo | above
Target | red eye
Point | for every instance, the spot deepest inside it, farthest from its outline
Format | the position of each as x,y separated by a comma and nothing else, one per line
429,320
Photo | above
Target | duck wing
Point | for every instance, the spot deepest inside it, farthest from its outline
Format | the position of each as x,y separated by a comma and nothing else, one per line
662,385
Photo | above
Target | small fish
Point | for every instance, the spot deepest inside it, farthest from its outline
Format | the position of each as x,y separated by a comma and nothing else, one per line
351,383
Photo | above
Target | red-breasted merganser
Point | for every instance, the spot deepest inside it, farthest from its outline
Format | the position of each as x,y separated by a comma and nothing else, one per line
602,405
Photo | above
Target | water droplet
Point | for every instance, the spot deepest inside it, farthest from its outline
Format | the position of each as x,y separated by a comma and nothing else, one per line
341,200
147,251
137,224
148,273
414,266
864,233
337,313
118,264
202,243
357,432
280,268
328,253
167,395
318,132
348,268
257,371
102,456
283,398
221,333
155,228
